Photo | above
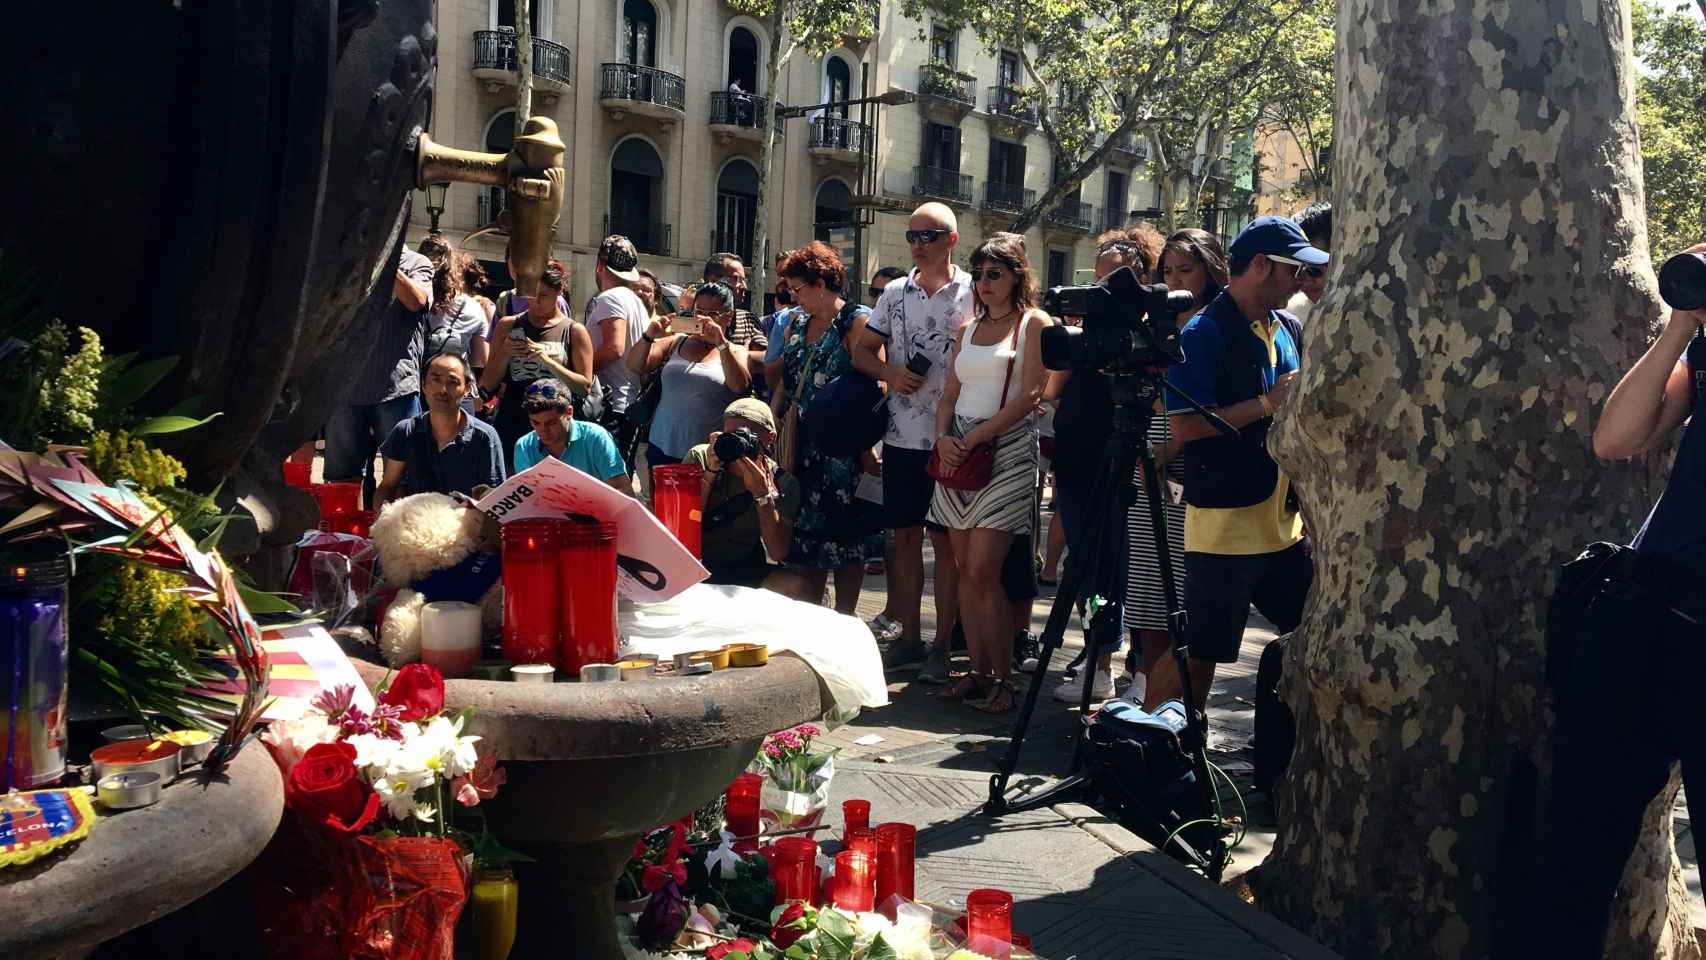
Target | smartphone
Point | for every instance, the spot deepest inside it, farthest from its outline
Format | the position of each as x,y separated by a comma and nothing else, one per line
919,364
690,324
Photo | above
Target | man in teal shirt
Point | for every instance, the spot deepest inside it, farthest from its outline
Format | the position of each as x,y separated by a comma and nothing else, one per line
587,447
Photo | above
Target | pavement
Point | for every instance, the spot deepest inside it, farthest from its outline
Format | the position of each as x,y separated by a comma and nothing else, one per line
1084,887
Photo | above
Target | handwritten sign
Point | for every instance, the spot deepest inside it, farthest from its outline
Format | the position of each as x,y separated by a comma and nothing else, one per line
651,565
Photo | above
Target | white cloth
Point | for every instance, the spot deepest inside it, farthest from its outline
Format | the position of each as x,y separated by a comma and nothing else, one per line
914,325
704,617
1300,306
618,301
982,371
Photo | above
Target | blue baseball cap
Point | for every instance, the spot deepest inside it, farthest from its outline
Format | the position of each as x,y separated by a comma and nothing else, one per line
1276,237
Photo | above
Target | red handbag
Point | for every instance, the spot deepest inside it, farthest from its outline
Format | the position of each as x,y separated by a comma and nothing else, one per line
974,472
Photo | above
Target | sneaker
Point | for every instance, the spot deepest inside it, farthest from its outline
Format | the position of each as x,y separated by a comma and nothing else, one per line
902,654
884,629
935,669
1101,689
1026,650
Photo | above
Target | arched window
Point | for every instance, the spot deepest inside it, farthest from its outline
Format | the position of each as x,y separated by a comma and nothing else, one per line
639,33
834,210
636,196
743,60
838,84
500,136
737,201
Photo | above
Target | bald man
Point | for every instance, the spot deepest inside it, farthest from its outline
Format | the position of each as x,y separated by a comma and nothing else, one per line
905,344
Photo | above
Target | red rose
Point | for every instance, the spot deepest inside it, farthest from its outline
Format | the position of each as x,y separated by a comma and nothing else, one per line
720,950
653,877
324,789
418,689
780,934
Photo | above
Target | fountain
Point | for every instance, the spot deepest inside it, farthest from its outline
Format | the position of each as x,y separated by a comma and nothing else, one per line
264,155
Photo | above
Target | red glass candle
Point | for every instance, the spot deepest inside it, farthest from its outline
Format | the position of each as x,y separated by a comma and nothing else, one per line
854,815
746,785
895,874
741,814
337,498
675,498
586,586
862,839
531,613
817,886
855,881
298,474
989,923
795,868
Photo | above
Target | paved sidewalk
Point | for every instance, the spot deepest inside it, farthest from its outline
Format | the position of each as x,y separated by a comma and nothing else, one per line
1085,887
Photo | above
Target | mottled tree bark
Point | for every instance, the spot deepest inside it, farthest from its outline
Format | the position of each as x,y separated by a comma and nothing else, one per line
1490,284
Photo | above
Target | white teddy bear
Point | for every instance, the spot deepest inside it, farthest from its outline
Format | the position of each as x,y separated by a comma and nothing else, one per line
433,548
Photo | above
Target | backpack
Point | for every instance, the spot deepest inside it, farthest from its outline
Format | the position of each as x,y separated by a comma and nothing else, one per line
1275,728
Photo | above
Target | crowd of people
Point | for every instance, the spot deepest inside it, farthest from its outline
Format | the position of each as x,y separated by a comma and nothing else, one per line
975,433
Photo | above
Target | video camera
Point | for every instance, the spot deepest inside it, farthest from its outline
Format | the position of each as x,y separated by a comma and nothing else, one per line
1128,327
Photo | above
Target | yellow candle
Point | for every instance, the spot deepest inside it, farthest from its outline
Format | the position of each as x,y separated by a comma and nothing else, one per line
492,912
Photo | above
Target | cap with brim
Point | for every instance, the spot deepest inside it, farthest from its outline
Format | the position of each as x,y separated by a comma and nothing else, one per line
619,257
755,412
1276,237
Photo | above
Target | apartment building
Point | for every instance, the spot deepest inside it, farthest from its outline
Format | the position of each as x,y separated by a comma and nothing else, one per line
661,150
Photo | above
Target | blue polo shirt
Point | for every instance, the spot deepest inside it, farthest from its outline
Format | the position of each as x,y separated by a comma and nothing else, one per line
591,450
468,461
1266,527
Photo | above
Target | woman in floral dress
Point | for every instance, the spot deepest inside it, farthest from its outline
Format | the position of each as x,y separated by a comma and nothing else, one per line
827,535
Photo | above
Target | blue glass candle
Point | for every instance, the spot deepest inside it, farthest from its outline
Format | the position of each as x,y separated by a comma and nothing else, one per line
32,669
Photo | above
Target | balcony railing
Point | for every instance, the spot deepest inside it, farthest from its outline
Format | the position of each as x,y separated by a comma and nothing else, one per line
1130,145
835,133
945,83
652,238
739,110
1073,214
488,203
1008,197
1010,103
630,81
950,185
496,50
1113,219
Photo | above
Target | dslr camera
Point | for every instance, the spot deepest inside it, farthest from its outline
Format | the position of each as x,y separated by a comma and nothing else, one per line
1128,327
734,444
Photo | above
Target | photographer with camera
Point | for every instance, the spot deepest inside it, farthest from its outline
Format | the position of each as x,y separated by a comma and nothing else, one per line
749,503
1243,536
1626,639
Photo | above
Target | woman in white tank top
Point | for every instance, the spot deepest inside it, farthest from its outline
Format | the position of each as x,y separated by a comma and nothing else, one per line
995,379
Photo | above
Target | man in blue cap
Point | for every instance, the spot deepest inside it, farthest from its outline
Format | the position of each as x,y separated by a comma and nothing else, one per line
1243,536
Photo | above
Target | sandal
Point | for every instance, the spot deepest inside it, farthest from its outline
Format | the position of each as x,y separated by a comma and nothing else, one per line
965,687
1000,699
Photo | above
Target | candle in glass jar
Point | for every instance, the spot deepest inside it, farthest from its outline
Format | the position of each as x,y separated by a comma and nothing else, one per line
531,614
676,500
742,816
855,881
795,862
862,839
33,662
586,587
895,869
855,814
989,923
450,636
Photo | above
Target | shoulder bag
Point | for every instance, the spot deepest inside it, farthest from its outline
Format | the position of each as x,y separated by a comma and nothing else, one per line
787,409
853,413
979,465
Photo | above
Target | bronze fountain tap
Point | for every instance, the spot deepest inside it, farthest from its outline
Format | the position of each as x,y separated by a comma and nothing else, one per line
532,176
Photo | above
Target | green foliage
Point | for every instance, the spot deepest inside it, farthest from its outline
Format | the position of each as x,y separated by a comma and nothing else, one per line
1670,99
72,394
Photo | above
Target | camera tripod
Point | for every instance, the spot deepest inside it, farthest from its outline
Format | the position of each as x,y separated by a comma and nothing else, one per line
1127,448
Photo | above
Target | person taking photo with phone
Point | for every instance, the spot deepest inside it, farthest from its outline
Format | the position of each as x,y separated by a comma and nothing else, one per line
539,342
701,372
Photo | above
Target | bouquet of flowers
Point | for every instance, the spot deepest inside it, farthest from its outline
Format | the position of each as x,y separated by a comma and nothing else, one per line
368,861
796,777
799,931
656,860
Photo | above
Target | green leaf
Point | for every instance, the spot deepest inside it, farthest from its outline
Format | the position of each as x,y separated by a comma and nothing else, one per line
880,950
134,383
262,602
834,936
168,424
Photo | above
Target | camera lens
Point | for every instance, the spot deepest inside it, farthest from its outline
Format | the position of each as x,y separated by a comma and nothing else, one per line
735,444
1682,281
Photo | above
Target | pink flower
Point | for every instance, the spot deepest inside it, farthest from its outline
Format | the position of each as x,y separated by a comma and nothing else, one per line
807,730
335,701
481,783
288,740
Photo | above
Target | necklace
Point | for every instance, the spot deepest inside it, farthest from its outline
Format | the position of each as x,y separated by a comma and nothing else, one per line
1003,316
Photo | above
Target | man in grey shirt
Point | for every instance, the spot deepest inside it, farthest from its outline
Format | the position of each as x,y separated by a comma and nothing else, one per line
387,390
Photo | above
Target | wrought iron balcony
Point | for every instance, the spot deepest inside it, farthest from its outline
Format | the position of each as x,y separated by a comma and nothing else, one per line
739,115
1010,104
1129,148
950,185
1007,197
650,238
495,62
631,88
488,203
1113,219
833,138
1073,215
942,88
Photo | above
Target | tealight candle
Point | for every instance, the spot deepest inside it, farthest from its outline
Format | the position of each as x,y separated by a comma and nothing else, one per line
532,672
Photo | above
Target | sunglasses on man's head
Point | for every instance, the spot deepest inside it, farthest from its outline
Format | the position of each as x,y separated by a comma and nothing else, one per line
925,236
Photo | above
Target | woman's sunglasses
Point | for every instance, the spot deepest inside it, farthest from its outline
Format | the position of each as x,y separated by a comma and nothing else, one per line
991,274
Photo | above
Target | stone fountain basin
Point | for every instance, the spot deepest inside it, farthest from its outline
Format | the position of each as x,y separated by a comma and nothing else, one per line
602,761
